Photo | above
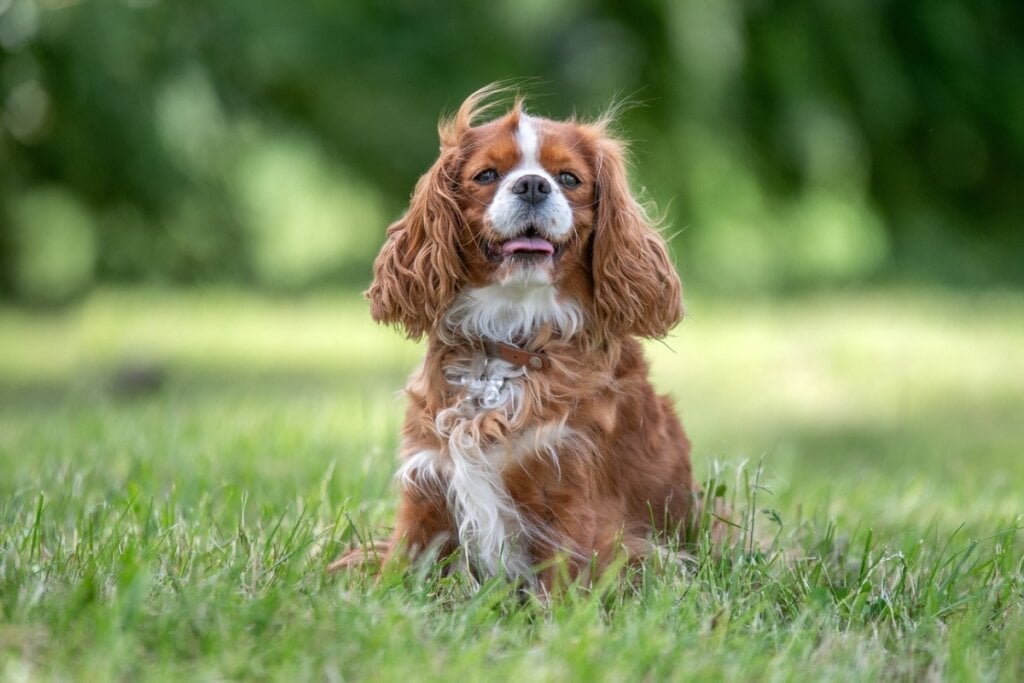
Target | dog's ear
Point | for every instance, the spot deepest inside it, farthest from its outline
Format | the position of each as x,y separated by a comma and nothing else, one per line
416,274
420,267
636,288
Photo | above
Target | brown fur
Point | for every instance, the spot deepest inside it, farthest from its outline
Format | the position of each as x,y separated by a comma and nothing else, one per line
625,476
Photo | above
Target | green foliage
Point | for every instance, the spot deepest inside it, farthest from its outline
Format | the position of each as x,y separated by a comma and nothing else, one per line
182,529
54,237
789,143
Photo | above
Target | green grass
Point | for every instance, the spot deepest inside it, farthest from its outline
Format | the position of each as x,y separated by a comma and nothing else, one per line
878,438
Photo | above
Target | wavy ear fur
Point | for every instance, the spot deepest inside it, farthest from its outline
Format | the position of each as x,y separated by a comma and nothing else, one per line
416,273
420,267
636,288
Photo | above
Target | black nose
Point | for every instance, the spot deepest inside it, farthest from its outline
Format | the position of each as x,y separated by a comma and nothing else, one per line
532,189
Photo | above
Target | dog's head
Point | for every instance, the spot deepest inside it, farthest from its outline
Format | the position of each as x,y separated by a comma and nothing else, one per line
527,210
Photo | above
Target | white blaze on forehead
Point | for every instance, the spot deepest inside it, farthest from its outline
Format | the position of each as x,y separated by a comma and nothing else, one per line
508,215
528,140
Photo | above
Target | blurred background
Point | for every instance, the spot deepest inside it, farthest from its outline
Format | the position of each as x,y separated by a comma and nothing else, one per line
791,145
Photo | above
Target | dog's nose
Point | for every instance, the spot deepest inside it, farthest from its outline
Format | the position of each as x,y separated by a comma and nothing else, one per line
532,189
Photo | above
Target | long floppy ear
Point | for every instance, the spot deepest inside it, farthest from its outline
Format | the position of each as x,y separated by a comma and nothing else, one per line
420,267
416,274
636,288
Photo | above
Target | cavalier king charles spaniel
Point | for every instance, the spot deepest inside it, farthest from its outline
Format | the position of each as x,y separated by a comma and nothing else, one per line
533,441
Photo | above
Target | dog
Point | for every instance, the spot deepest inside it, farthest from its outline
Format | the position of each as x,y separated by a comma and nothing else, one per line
533,441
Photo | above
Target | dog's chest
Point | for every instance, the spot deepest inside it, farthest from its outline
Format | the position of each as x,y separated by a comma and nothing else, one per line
487,397
483,383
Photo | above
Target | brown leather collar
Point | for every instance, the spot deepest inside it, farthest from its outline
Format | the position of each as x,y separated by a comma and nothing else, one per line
533,360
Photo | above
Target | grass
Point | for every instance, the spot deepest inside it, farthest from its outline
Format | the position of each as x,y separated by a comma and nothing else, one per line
179,526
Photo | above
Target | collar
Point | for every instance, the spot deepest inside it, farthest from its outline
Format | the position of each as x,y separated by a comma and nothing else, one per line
532,360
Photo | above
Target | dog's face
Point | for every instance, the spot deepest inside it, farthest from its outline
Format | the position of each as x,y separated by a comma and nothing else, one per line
526,204
526,191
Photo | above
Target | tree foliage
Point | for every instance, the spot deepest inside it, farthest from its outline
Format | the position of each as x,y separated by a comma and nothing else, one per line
788,143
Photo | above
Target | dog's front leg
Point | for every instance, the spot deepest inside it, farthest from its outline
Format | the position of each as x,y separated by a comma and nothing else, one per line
424,523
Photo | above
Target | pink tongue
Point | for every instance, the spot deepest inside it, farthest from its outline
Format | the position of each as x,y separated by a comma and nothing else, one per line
535,244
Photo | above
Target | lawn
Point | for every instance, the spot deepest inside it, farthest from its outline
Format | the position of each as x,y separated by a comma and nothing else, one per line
176,470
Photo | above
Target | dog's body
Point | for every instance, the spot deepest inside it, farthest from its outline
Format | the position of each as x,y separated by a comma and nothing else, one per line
532,433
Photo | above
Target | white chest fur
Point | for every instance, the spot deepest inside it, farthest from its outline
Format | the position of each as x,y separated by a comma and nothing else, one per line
510,312
492,531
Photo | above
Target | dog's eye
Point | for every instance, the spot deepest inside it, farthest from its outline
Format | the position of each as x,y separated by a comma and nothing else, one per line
566,179
486,177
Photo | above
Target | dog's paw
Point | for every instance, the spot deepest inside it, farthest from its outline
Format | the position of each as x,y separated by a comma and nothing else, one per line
363,557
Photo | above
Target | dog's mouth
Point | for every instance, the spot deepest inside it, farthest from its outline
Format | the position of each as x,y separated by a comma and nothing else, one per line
529,245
